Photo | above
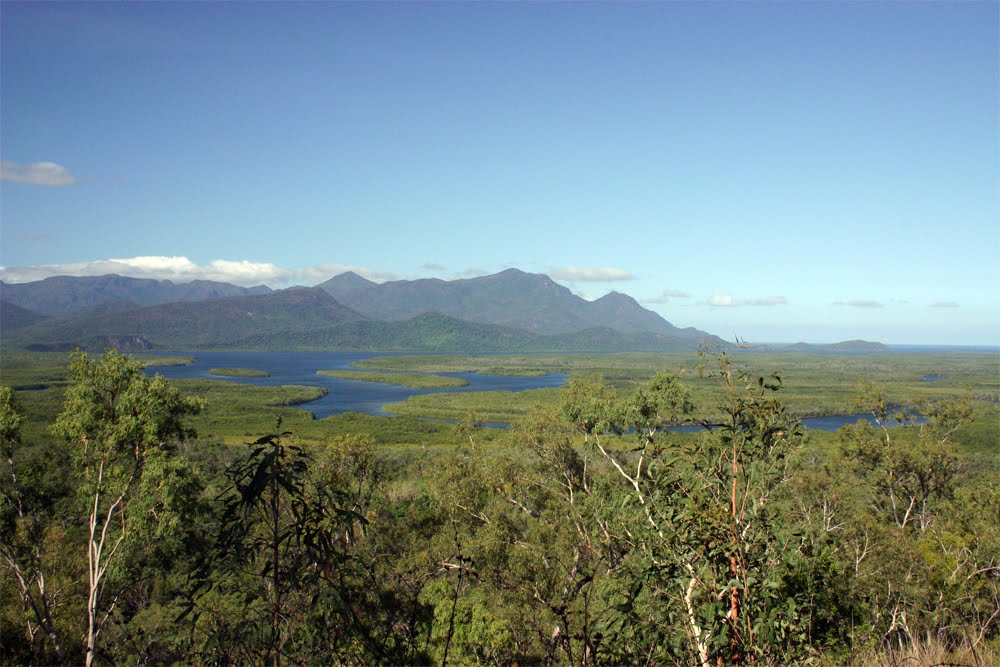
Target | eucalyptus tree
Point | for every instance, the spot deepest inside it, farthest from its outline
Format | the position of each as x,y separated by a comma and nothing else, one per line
294,573
705,560
121,426
924,560
518,558
25,508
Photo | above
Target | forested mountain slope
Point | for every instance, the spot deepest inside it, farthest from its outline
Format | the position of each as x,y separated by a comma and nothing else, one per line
195,324
512,298
506,312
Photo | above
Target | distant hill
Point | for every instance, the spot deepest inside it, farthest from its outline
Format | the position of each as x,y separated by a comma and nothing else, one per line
526,301
65,294
506,312
196,324
843,346
311,319
847,346
433,332
14,317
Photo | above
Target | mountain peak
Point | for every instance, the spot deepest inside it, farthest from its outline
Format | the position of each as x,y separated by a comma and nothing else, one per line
521,278
615,297
513,272
347,283
352,278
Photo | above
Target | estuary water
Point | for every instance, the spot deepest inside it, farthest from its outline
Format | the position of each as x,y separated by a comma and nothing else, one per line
343,395
370,397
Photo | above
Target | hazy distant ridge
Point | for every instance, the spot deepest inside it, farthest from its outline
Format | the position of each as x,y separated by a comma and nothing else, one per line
64,294
508,311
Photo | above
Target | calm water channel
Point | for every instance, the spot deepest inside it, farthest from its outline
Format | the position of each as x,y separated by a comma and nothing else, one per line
369,397
344,395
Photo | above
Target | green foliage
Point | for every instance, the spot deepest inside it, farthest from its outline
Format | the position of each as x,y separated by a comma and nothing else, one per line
278,538
116,414
24,370
586,533
23,523
709,577
491,406
121,426
814,384
163,359
237,411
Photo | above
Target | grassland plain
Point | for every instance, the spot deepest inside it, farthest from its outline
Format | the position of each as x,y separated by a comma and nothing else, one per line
24,370
412,380
431,467
813,385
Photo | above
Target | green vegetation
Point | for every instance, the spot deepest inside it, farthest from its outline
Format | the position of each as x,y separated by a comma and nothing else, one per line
154,360
523,365
583,534
412,380
511,311
236,411
25,370
816,384
239,372
189,325
637,365
490,406
311,319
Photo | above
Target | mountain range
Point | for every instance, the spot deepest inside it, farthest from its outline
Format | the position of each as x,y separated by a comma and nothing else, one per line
512,298
508,311
64,294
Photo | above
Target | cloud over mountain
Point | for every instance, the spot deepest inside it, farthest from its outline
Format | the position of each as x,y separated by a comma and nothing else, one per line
729,301
597,274
182,269
667,295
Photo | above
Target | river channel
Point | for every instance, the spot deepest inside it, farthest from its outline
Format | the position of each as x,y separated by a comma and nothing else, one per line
342,395
370,397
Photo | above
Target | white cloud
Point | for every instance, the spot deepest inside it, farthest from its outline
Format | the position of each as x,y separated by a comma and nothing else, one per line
945,304
182,269
311,275
668,294
48,174
860,303
469,273
730,301
586,296
590,274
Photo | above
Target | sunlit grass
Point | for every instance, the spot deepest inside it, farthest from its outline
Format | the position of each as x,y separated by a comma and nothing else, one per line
239,372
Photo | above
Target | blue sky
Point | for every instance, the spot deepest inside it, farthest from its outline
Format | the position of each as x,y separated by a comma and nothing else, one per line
772,171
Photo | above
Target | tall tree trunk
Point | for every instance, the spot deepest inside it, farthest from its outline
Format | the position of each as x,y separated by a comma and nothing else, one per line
276,577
